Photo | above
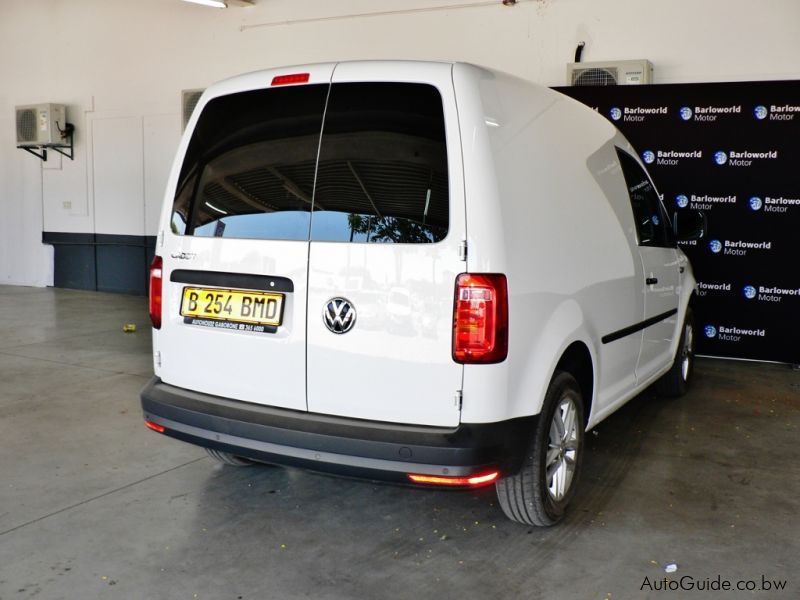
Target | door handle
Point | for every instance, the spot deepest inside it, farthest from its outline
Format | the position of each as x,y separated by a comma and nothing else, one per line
651,280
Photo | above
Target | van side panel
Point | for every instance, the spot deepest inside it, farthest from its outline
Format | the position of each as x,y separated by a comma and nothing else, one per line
537,169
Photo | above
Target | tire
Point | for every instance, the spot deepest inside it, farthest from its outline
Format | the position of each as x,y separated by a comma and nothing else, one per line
228,459
530,496
675,382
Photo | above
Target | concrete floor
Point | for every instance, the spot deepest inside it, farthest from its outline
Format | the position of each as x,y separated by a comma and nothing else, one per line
94,505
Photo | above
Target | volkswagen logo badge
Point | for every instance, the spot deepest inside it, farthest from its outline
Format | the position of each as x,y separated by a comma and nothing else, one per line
339,315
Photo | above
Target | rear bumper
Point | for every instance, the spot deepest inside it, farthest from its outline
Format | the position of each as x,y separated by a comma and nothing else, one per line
351,447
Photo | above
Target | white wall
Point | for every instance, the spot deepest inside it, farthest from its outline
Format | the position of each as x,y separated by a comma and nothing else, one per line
119,65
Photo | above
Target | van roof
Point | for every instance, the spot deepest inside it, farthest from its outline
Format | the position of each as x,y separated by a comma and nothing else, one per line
261,78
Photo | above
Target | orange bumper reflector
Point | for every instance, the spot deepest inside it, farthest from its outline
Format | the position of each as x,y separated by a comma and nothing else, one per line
154,426
474,480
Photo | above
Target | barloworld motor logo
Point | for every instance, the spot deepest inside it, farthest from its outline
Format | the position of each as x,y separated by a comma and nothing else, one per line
708,114
774,294
704,201
755,203
774,204
726,333
670,158
776,112
737,247
637,114
703,288
743,158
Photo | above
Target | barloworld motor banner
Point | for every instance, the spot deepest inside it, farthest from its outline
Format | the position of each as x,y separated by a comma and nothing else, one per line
731,150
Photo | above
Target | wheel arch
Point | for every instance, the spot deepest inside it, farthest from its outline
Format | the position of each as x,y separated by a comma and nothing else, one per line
577,361
559,339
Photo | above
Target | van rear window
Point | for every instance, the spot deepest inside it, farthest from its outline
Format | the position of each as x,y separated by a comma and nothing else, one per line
249,167
383,165
380,169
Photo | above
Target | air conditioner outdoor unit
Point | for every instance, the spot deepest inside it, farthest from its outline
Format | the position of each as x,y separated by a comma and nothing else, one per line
620,72
41,125
189,100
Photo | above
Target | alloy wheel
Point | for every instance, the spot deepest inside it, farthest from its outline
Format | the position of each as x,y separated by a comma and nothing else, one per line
562,449
687,352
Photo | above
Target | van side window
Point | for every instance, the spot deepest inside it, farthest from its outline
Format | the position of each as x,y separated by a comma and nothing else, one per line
249,168
382,175
652,223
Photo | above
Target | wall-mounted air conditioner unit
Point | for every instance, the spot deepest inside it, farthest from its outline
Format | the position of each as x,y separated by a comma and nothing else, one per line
189,100
41,125
619,72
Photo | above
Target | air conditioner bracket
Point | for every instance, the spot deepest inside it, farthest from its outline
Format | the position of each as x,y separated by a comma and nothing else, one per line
66,148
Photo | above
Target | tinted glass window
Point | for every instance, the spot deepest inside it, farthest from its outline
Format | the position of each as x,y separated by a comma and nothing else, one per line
249,167
382,174
652,224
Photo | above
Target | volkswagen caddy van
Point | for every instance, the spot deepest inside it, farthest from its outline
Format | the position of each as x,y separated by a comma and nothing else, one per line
429,273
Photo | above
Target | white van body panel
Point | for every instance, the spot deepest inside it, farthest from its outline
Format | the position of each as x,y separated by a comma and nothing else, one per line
572,259
660,264
395,365
236,364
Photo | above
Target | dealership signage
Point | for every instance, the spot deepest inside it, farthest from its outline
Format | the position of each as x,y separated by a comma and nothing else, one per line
731,150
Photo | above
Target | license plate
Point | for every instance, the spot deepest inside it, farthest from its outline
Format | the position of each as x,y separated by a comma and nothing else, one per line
232,306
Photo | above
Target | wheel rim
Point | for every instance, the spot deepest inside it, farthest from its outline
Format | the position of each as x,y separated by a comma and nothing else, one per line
687,351
562,449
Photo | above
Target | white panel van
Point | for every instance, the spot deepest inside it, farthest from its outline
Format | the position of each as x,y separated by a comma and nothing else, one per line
430,273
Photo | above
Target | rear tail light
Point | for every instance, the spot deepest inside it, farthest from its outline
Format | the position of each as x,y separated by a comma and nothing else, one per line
471,481
289,79
155,291
480,318
154,426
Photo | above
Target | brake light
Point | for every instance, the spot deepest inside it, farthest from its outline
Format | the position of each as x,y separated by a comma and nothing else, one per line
155,292
289,79
473,480
480,318
155,426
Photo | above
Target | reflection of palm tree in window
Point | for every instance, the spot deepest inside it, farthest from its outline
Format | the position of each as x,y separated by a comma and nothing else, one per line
382,228
391,229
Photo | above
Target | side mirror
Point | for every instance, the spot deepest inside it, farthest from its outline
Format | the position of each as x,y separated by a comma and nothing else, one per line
690,225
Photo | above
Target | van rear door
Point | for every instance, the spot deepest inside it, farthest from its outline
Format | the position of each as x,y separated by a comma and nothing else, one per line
235,249
386,228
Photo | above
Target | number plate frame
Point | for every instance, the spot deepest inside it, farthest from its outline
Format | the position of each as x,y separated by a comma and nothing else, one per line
220,298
